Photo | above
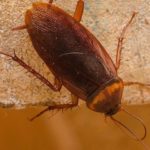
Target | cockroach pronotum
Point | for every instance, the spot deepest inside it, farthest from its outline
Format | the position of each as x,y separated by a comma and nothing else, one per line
76,58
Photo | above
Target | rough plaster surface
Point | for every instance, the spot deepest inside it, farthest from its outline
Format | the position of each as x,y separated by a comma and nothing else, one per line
105,19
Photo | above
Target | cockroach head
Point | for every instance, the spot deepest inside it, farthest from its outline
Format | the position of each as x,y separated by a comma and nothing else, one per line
108,99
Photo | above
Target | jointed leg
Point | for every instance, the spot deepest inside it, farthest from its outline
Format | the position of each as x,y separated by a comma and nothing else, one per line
120,41
141,85
59,107
21,27
136,83
57,85
79,10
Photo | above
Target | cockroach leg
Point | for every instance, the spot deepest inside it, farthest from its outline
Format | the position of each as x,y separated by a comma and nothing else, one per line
136,83
21,27
50,1
58,107
120,41
57,85
79,10
141,86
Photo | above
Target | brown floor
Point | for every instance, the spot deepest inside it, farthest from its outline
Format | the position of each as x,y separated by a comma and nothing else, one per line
79,129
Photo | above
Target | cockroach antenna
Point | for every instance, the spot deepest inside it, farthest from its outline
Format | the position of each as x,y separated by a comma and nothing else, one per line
130,132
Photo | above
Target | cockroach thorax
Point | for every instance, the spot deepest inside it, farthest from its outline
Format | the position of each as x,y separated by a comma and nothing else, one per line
108,99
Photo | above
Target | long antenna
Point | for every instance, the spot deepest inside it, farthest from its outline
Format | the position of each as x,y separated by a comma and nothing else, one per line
140,121
132,133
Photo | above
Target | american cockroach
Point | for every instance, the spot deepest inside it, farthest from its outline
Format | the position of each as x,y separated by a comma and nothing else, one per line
76,58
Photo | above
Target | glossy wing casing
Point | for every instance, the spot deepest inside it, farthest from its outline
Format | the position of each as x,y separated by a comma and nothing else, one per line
70,51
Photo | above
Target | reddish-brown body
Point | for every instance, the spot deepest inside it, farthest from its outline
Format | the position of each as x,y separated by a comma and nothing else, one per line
75,57
72,53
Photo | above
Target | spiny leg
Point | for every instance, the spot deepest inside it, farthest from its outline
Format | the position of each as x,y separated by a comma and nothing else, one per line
79,10
57,85
59,107
120,41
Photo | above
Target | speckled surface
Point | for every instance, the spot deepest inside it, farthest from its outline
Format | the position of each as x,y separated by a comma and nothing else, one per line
105,19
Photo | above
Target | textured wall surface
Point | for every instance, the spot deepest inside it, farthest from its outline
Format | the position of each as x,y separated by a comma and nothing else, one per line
105,19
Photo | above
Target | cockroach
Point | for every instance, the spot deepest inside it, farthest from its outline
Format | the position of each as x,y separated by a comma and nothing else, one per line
76,58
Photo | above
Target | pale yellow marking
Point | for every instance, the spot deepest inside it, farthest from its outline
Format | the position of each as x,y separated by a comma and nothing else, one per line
110,89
